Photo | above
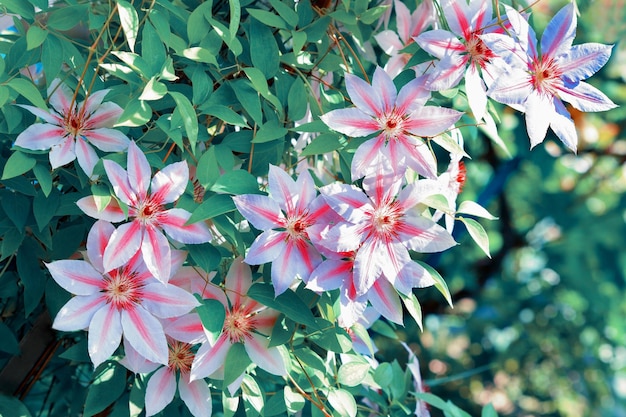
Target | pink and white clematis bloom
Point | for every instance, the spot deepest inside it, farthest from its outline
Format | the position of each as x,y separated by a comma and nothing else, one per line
247,322
284,216
398,119
408,25
540,80
380,226
72,128
462,53
146,202
127,301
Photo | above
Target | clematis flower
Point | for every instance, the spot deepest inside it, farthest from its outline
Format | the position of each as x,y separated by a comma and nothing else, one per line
461,52
408,25
540,80
146,202
126,301
247,322
284,216
71,129
379,225
398,119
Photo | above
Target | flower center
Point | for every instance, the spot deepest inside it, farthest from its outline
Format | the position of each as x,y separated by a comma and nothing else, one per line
546,76
392,125
238,324
74,124
123,289
148,211
296,226
180,356
479,52
385,218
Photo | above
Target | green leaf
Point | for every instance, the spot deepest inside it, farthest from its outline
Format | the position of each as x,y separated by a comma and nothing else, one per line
136,113
4,94
286,12
20,7
130,22
371,15
323,143
44,207
297,100
235,17
199,54
383,375
213,206
229,404
109,383
268,18
17,208
332,338
294,401
253,396
224,113
152,49
275,405
44,178
352,374
101,195
212,315
449,144
137,396
77,352
343,402
270,131
188,113
474,209
8,341
478,233
67,17
249,99
287,303
236,362
440,283
263,49
17,164
205,255
11,406
27,89
154,90
489,411
11,241
35,37
432,399
299,39
31,275
257,78
413,307
236,182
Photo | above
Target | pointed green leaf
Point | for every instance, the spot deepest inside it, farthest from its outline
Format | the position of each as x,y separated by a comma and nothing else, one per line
188,113
108,385
413,307
236,362
27,89
130,22
213,206
263,49
17,164
287,303
440,283
352,374
323,143
478,233
489,411
474,209
236,182
235,17
342,402
212,315
35,37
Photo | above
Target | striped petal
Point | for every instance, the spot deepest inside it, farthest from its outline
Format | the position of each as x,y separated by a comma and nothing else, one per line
262,212
266,358
238,280
539,112
76,277
585,97
62,153
209,358
105,334
173,222
169,183
166,300
124,243
582,61
196,395
385,300
77,313
563,126
351,122
423,235
160,390
139,172
86,157
105,116
107,140
268,246
558,36
119,180
111,213
156,252
383,84
297,261
364,96
145,333
431,121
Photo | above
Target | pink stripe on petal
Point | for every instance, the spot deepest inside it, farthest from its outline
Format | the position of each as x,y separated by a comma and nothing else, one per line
106,116
166,301
86,156
352,122
160,390
62,153
119,180
145,333
364,97
77,313
169,184
261,211
267,358
385,300
111,213
107,140
266,247
124,243
76,277
208,359
138,168
105,334
238,280
196,395
156,252
173,223
282,189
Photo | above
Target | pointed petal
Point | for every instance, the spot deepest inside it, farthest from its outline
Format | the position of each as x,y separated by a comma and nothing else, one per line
512,88
124,243
86,156
77,313
60,96
40,137
539,112
62,153
173,223
107,140
93,101
423,235
440,43
160,390
560,32
139,172
364,96
416,154
330,275
297,261
44,115
352,122
282,189
383,84
156,252
413,95
111,213
476,94
403,21
412,275
432,121
266,358
563,125
169,183
368,265
523,32
187,328
238,281
385,300
347,200
448,72
166,300
345,236
582,61
585,97
306,192
196,395
76,277
263,212
105,116
145,333
209,358
266,247
105,334
119,180
133,361
389,41
458,16
367,157
97,240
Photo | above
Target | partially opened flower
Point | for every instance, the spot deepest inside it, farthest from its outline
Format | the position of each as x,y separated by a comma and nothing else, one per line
540,80
72,128
284,216
127,301
146,200
398,119
247,322
408,25
461,51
